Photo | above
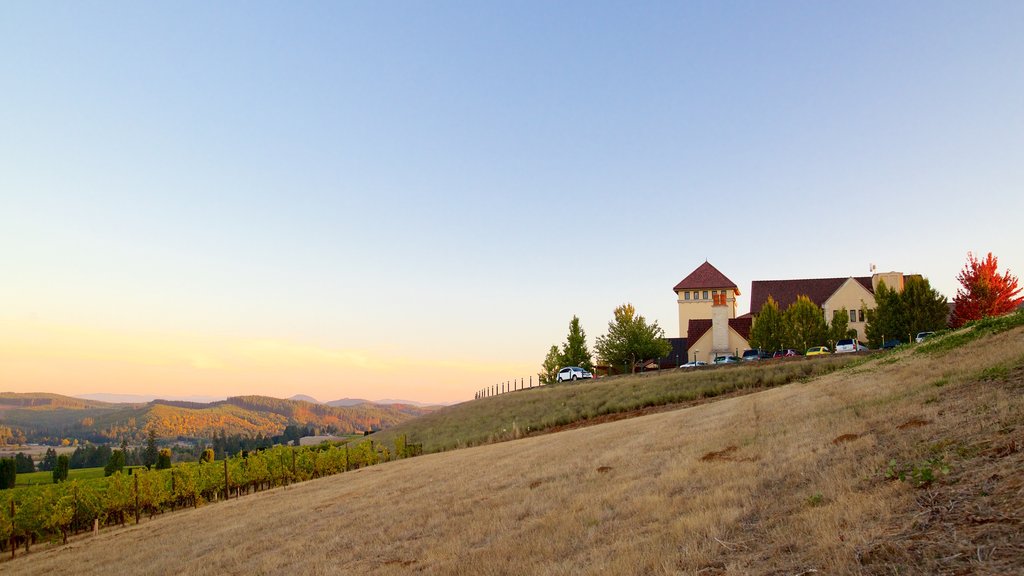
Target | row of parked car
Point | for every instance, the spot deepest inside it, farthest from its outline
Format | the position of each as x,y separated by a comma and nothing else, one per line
844,346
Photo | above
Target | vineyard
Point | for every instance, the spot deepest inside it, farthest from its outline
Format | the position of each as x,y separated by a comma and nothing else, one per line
53,512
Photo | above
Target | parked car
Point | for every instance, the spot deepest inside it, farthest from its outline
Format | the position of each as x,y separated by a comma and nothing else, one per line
752,354
694,364
817,351
848,345
787,353
572,373
922,336
890,344
727,359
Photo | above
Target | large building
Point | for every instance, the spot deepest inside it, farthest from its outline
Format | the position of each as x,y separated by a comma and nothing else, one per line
709,327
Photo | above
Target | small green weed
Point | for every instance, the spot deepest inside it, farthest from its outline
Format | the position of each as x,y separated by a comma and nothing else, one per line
920,473
995,373
815,500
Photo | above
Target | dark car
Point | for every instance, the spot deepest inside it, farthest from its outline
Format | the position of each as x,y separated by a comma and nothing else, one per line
890,344
751,354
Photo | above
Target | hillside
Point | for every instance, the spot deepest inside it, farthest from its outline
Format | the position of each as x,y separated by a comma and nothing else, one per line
51,417
907,463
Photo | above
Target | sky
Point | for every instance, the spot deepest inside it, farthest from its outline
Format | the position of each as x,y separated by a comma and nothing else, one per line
413,199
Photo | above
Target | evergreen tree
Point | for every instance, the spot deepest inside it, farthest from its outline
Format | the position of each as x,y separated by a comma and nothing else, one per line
60,468
769,329
151,449
552,363
575,351
8,473
806,324
49,460
115,464
901,315
984,291
631,339
23,463
924,308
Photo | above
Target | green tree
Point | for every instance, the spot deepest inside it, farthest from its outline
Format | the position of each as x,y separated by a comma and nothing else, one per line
574,350
631,339
49,460
769,329
884,321
552,363
924,308
207,455
839,328
151,450
115,464
24,464
60,470
806,324
163,459
8,473
900,315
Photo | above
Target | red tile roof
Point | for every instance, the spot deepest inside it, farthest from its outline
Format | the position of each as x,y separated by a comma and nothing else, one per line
785,292
705,276
697,328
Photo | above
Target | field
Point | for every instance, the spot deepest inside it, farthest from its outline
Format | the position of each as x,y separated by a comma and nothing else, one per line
47,477
904,464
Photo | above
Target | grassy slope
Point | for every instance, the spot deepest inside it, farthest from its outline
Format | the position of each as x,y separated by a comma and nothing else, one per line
784,481
524,412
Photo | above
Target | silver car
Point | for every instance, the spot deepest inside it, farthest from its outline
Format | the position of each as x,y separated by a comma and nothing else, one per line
572,373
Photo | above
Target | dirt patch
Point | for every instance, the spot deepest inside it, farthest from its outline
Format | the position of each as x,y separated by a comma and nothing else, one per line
720,455
535,484
913,423
845,438
604,469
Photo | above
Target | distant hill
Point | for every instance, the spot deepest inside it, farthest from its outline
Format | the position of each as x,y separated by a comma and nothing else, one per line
348,402
143,398
52,417
304,398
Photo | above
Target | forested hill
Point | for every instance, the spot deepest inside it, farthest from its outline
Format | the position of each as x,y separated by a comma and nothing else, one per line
51,418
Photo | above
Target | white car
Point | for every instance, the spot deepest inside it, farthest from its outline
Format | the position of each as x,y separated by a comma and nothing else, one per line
695,364
572,373
922,336
847,345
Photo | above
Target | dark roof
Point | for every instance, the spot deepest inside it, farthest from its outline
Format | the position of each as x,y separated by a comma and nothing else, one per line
697,328
705,276
785,292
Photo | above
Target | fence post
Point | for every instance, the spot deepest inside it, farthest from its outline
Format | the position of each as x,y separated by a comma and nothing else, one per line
12,525
227,480
293,465
136,498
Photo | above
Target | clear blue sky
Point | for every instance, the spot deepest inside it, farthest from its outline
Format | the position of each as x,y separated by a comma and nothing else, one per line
429,191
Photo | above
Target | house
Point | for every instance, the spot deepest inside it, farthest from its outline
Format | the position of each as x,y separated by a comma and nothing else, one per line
854,293
699,292
709,327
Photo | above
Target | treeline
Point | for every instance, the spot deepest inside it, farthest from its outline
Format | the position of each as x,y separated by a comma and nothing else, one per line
47,421
55,511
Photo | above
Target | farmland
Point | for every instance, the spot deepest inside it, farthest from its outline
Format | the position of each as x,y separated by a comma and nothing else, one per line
904,463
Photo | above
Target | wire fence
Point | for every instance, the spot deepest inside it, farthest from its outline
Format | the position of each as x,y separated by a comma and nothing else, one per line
508,386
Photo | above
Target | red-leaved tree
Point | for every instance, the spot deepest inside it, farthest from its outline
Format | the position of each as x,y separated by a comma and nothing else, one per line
984,292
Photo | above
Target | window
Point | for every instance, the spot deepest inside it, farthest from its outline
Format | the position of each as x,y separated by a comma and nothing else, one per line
705,294
686,295
853,315
861,314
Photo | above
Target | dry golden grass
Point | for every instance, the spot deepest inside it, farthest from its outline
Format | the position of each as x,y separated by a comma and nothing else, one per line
785,481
